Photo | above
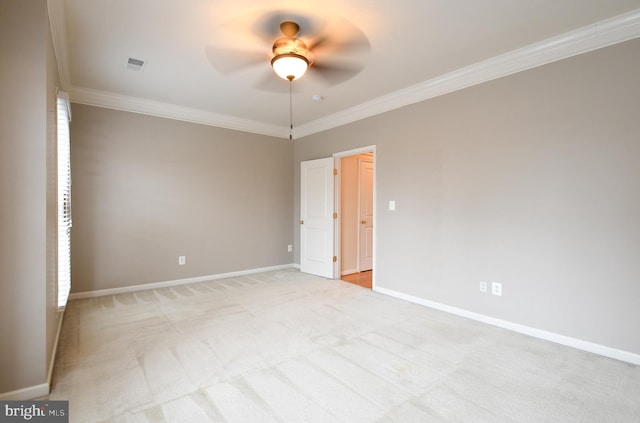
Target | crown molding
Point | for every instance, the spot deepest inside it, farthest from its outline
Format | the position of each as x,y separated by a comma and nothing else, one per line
171,111
592,37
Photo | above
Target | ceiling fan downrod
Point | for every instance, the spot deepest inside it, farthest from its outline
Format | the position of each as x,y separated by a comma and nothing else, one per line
290,109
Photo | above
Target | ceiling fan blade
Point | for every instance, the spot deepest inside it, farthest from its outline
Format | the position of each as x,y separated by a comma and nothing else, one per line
347,47
326,47
335,74
228,61
319,42
341,37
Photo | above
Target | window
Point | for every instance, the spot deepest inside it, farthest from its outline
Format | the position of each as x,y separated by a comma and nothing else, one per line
64,200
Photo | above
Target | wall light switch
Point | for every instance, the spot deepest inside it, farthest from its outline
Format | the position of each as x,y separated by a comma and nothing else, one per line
289,248
392,205
182,260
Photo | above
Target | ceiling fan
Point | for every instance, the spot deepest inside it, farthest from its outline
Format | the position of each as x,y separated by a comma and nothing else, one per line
328,49
291,57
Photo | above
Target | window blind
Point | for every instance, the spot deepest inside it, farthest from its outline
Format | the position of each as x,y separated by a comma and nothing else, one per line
64,200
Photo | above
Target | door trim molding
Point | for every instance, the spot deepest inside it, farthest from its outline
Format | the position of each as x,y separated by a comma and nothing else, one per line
337,191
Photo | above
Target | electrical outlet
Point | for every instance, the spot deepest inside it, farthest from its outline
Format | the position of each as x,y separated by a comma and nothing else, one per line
483,286
289,248
496,288
182,260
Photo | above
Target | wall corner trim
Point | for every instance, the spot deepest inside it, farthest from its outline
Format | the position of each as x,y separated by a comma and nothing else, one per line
567,341
52,360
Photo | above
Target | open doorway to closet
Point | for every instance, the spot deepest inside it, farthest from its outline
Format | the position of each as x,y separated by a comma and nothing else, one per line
356,201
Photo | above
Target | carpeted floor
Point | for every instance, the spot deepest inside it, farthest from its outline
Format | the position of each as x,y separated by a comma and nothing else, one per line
289,347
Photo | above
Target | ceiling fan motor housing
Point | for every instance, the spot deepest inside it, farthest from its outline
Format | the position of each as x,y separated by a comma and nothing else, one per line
289,45
291,57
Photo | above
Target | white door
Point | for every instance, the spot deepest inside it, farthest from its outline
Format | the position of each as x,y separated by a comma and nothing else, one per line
365,187
316,217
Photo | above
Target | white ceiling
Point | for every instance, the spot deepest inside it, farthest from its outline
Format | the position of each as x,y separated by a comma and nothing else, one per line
418,49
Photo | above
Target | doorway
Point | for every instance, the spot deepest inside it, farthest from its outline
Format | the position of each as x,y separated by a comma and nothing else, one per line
355,198
321,217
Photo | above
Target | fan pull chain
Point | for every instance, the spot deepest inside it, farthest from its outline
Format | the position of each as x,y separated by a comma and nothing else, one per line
290,110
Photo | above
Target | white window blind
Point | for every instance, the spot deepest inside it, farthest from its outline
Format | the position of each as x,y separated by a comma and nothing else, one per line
64,200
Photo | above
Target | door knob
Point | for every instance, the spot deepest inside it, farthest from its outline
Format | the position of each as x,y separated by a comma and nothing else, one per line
302,222
363,222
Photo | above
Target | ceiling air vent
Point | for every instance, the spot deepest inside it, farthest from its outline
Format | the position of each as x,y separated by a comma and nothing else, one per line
135,64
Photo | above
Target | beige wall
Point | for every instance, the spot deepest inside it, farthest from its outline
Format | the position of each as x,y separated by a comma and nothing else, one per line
147,190
532,180
27,211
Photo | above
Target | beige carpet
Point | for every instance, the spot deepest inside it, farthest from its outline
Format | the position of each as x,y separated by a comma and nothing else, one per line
283,346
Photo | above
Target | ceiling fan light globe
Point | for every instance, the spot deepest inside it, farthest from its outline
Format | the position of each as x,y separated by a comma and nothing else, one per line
290,66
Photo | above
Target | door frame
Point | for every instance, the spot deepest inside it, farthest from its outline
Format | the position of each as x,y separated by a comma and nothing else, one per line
337,204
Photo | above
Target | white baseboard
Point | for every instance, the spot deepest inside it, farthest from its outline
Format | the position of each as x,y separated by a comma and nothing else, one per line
165,284
579,344
42,389
27,393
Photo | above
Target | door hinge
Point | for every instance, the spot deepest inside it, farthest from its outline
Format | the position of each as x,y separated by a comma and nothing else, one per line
335,259
335,215
335,171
